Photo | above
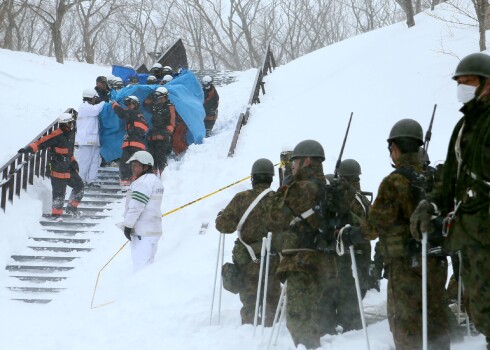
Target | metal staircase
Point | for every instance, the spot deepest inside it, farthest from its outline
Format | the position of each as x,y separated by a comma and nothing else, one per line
40,272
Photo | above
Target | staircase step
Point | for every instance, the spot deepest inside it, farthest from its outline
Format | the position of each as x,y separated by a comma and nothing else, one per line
60,249
38,269
68,223
39,279
94,202
34,301
60,240
36,289
102,196
43,258
67,232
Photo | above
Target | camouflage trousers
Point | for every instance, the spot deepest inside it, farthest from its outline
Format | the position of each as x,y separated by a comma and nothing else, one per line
310,309
476,277
405,303
346,303
248,292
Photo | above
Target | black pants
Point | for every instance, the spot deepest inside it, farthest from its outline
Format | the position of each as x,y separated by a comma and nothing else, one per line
159,150
59,191
125,169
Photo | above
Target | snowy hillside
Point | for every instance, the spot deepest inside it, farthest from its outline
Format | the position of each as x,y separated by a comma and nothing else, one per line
381,76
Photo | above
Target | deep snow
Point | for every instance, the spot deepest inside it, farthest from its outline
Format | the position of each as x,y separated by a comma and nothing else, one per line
381,76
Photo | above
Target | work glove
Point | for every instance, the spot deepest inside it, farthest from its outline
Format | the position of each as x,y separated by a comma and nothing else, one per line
127,232
350,235
23,150
420,220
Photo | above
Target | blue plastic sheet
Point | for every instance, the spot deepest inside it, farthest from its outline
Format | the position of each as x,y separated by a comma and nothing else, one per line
185,92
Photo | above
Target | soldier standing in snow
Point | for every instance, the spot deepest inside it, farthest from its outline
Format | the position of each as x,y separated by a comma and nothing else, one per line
63,165
253,230
211,102
134,139
87,137
307,264
389,219
142,214
347,309
463,196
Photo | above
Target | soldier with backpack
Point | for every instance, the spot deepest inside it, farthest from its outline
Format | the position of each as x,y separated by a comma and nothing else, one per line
245,215
389,219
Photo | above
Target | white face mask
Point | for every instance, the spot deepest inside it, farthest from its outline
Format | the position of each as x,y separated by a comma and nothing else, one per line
466,93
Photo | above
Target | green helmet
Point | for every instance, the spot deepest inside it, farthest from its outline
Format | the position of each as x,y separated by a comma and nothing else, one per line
407,128
330,177
474,64
263,166
308,148
349,167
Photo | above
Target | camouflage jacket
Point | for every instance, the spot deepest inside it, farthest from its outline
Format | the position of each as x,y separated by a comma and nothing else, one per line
466,177
255,227
298,239
389,216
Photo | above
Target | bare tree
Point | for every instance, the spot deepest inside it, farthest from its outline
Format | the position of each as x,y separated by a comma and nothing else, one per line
93,15
53,14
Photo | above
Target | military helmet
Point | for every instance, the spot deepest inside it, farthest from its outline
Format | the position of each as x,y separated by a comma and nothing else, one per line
330,178
407,128
308,148
474,64
263,166
349,167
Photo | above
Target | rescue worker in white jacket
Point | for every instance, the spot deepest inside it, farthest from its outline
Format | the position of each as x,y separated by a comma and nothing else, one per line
87,137
143,216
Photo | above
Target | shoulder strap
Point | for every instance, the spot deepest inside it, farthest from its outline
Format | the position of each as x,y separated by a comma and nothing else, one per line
244,218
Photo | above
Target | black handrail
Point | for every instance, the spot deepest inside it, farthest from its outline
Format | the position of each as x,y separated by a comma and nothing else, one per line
20,170
268,65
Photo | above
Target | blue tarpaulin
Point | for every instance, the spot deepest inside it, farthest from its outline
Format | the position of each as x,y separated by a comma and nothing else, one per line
185,92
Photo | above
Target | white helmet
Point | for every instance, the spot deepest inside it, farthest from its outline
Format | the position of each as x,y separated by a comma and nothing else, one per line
127,65
65,118
89,93
161,91
157,65
207,80
118,82
131,99
167,78
143,157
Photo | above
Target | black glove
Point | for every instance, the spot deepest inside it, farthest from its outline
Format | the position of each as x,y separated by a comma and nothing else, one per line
23,150
350,235
127,232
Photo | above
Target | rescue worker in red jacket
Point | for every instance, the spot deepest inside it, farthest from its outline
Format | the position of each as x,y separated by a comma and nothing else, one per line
134,139
211,102
63,165
163,125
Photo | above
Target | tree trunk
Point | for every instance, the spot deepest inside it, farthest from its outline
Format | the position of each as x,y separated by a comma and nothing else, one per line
409,12
481,7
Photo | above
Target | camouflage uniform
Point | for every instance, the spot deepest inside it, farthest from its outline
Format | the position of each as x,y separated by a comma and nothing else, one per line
348,314
310,273
468,182
389,218
253,229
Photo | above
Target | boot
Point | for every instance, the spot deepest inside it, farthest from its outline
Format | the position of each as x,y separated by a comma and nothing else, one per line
74,212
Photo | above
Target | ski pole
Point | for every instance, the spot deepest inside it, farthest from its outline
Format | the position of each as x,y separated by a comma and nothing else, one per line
266,282
221,279
459,286
460,292
221,238
358,291
279,311
424,290
283,314
259,284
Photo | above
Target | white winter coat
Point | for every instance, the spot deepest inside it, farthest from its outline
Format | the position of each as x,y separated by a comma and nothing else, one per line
143,206
88,124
